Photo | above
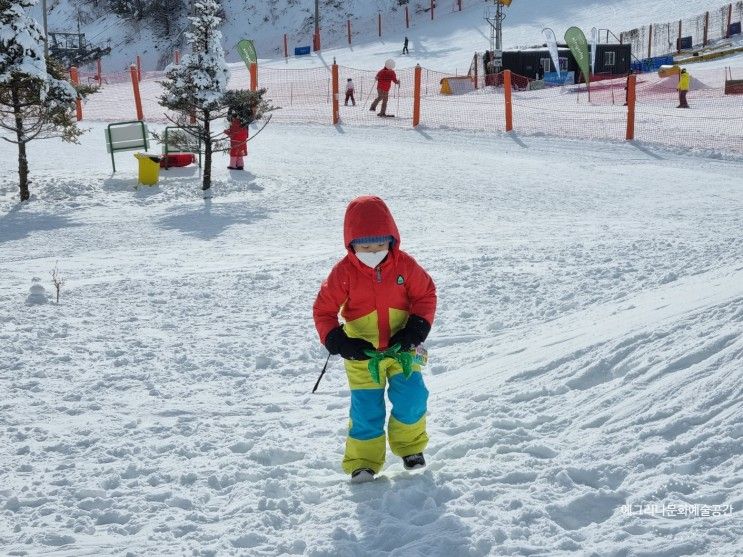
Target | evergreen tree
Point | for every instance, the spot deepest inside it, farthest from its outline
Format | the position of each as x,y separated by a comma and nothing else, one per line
197,86
36,102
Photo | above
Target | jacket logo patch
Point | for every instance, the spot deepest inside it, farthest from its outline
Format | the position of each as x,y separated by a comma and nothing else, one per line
400,280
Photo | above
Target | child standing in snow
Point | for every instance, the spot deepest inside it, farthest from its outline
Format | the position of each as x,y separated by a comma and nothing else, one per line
238,135
385,298
349,92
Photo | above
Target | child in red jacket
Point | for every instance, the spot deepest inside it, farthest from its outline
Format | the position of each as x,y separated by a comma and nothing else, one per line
385,298
238,135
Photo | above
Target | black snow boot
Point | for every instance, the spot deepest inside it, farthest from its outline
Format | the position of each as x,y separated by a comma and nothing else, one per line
414,461
362,475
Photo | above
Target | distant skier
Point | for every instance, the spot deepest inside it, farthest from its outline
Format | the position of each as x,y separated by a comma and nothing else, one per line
349,92
683,88
386,299
405,47
238,135
385,77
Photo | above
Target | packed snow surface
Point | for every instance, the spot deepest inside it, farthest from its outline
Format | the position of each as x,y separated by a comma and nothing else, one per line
585,362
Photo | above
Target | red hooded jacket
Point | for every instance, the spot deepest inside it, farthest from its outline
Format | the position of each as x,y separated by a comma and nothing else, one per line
374,303
385,78
238,139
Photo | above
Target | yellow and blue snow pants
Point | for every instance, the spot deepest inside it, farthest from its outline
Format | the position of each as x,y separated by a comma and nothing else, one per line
406,429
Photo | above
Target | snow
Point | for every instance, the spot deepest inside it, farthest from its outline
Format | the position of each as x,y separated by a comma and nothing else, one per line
446,44
585,360
586,353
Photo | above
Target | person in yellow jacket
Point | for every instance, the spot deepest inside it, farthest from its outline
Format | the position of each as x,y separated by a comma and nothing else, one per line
683,88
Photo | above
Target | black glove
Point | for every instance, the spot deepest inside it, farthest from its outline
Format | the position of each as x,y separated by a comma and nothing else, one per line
338,342
412,334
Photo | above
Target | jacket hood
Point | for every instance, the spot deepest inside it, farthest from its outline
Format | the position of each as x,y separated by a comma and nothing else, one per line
367,216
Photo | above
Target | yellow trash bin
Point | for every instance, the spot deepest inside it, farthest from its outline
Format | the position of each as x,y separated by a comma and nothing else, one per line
149,168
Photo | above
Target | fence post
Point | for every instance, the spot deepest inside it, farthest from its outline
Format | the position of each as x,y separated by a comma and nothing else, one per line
99,73
349,31
507,91
476,84
139,68
407,17
286,47
730,19
417,95
433,5
336,108
678,41
631,97
253,76
135,86
650,41
379,23
75,78
316,41
706,27
460,4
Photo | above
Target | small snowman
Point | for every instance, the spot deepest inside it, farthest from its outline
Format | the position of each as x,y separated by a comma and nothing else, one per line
37,293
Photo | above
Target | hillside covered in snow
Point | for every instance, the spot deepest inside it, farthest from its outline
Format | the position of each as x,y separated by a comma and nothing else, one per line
451,32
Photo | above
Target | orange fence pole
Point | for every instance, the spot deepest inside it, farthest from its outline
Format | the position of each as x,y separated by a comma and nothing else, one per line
336,107
417,95
706,27
75,78
407,17
316,41
509,107
139,68
650,41
631,82
286,47
253,76
137,97
379,23
177,56
99,73
349,31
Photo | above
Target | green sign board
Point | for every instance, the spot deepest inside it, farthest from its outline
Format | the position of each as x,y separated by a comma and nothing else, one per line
246,49
579,47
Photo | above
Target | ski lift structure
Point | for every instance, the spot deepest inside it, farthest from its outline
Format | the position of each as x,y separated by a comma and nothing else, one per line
494,16
73,49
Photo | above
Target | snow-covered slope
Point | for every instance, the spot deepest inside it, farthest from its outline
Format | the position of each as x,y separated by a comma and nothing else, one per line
448,41
586,354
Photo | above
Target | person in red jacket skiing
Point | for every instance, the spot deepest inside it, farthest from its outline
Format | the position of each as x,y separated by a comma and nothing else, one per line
385,77
386,299
238,135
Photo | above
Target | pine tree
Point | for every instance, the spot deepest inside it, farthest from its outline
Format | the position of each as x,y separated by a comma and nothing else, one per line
36,102
197,86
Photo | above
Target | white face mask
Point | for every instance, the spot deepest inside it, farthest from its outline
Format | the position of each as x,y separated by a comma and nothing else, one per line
372,259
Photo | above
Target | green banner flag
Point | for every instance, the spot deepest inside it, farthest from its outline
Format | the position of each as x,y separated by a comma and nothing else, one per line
579,47
246,49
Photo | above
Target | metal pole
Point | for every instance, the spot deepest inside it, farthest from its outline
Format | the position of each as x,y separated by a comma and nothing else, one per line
46,33
317,26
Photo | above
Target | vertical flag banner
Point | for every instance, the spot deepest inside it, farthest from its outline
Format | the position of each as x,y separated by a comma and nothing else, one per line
594,41
579,47
549,34
246,49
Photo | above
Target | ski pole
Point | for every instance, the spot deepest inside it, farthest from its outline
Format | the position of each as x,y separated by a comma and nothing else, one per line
368,94
321,374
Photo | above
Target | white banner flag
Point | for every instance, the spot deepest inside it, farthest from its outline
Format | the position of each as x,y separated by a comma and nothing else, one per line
549,34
